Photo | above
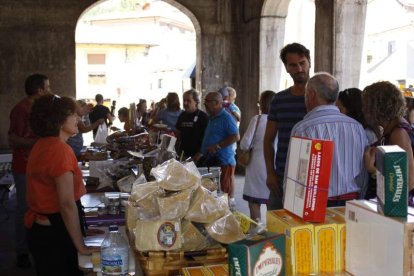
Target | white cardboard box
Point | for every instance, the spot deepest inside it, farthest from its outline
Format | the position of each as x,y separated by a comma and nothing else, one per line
376,244
307,178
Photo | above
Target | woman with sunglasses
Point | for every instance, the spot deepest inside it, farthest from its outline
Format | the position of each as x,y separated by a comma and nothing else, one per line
54,189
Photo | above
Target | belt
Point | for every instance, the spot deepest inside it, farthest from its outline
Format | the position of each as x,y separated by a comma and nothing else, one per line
348,196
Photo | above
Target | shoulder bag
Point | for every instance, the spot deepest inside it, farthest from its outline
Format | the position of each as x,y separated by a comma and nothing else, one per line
243,156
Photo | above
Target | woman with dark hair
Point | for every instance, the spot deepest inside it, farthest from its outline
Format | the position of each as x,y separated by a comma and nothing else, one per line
169,116
384,107
54,189
255,189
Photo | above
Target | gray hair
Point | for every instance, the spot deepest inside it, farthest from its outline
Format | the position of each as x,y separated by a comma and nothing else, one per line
325,85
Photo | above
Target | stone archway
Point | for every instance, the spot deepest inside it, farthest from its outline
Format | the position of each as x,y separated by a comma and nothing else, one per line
272,33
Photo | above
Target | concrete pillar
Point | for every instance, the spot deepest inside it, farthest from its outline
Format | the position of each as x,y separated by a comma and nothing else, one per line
272,32
349,28
324,25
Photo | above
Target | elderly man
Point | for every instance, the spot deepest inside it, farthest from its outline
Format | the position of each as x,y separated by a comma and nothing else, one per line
325,121
220,134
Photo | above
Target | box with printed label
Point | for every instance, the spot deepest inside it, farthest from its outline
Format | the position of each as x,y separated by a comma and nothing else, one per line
299,240
392,179
307,178
260,255
377,244
325,255
337,215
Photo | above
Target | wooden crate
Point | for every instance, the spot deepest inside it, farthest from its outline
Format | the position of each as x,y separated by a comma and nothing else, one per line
167,263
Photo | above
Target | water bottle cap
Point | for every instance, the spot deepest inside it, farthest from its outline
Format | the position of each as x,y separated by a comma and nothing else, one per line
113,228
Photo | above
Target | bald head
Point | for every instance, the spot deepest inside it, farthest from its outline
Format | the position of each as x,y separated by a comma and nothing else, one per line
325,86
213,103
216,96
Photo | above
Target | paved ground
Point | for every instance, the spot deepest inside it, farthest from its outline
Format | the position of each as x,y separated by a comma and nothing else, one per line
7,253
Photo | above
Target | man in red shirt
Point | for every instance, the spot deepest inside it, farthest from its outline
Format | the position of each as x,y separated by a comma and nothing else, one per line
21,140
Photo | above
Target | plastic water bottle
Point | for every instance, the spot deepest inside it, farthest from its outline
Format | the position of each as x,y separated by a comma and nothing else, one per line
114,253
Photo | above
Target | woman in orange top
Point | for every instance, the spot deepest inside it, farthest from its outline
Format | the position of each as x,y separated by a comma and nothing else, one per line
54,188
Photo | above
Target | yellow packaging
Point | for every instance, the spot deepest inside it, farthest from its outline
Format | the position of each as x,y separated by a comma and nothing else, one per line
336,215
325,254
299,240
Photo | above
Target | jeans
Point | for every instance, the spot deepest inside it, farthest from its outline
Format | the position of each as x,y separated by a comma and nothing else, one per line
21,208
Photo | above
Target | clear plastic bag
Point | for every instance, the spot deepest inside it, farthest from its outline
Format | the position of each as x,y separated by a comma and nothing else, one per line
205,207
192,238
174,176
226,229
174,205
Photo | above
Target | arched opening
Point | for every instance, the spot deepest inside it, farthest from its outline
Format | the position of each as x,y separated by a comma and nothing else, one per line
135,49
389,44
283,22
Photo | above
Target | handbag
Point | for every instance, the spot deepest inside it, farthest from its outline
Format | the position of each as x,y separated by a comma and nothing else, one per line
244,156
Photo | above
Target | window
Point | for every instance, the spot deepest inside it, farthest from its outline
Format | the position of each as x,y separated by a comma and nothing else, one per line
96,58
159,83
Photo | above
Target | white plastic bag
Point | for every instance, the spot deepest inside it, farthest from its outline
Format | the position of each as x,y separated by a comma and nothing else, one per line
101,134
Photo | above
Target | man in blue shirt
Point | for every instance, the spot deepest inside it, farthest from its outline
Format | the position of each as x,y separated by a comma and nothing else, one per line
220,134
287,108
324,121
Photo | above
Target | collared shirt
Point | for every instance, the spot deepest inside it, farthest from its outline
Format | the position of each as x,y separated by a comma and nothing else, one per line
219,128
350,141
286,110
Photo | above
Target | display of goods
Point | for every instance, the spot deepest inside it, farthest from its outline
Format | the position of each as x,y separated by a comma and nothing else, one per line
392,179
262,254
378,244
307,178
162,263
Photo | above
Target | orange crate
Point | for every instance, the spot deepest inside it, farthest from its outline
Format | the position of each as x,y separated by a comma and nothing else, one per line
167,263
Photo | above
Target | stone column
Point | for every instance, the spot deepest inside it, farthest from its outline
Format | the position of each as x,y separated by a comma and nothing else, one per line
349,28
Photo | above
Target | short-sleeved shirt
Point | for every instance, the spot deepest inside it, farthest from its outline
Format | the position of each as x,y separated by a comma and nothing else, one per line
49,158
20,126
169,118
98,112
191,127
286,110
219,128
348,173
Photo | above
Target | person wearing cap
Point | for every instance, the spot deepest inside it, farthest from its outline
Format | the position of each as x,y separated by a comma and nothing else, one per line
286,109
229,97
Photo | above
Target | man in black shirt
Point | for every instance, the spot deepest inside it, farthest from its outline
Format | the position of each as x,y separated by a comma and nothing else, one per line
190,125
100,112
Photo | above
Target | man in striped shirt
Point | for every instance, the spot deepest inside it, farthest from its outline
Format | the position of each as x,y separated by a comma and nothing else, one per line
324,121
287,108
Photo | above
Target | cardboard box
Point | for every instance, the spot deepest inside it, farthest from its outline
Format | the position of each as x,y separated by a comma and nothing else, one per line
326,246
337,215
392,179
299,240
377,244
260,255
307,178
209,270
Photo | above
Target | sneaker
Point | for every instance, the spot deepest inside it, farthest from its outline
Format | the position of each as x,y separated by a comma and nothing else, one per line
232,204
23,261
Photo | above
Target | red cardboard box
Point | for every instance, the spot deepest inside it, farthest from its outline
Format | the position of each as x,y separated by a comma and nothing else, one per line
307,178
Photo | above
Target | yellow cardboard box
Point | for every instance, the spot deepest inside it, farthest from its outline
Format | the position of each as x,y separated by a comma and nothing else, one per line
337,215
326,245
299,240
